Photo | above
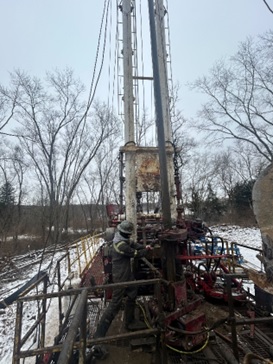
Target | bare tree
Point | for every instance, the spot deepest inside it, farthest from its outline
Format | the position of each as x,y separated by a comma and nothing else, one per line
101,183
7,106
268,7
183,143
143,125
197,176
60,134
19,167
13,168
240,97
237,164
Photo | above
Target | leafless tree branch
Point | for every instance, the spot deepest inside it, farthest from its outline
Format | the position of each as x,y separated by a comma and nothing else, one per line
268,7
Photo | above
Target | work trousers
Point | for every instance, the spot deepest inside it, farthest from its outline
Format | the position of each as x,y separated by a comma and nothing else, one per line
114,307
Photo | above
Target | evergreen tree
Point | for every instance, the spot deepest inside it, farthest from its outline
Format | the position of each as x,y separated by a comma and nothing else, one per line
241,195
196,204
7,201
214,207
7,195
241,202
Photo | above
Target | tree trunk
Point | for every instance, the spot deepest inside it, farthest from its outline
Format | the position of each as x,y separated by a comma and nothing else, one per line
262,196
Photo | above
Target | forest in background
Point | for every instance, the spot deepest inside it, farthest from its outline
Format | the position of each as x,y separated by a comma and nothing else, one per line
59,150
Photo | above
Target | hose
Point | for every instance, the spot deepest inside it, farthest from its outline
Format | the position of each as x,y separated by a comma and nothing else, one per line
184,332
250,356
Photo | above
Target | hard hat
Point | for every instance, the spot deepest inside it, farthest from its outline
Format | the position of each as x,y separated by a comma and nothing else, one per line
126,227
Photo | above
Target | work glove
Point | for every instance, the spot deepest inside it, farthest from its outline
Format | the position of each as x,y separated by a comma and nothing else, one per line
142,253
99,351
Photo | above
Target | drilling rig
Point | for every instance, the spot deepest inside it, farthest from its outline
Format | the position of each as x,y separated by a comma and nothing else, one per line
148,171
177,287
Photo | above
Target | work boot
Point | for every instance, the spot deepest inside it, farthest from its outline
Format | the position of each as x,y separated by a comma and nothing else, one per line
136,325
131,323
129,312
99,352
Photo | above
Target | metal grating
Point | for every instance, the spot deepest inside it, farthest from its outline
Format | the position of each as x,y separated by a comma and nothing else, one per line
214,356
256,345
176,358
94,309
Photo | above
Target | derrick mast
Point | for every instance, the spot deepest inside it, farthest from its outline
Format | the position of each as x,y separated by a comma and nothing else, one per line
129,130
148,169
180,252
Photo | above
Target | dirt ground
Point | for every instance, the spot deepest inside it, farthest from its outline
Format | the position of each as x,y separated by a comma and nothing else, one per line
122,353
125,355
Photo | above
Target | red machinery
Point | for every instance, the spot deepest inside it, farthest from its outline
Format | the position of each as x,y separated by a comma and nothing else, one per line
191,278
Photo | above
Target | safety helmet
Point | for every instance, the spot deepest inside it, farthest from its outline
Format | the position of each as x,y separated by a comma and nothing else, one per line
126,227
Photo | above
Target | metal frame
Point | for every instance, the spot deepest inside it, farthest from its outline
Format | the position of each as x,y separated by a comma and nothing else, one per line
78,324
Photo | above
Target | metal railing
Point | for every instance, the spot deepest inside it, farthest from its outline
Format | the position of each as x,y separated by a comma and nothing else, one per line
78,336
78,257
232,320
85,249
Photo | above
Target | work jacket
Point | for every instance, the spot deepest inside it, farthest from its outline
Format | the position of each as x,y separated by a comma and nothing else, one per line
123,251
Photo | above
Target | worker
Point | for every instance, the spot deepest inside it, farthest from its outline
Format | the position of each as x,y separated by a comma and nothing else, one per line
123,251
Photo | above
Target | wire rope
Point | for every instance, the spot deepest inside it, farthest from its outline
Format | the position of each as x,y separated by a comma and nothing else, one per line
172,107
110,54
92,90
115,69
142,61
135,69
94,83
119,80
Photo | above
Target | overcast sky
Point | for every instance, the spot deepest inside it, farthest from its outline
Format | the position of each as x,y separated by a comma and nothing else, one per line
41,35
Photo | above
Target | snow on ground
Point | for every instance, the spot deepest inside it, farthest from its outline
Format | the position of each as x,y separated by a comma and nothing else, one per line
19,271
247,236
250,237
19,277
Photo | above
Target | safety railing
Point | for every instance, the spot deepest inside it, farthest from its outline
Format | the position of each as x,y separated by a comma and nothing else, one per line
232,320
20,337
77,337
234,249
74,262
84,249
